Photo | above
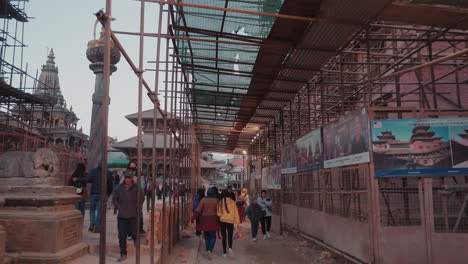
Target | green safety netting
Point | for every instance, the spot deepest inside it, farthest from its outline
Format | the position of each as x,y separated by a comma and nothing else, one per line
221,71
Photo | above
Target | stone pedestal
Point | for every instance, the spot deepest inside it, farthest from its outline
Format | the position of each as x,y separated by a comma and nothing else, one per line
42,224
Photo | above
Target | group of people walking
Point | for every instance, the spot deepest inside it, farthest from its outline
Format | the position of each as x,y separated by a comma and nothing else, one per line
216,213
222,213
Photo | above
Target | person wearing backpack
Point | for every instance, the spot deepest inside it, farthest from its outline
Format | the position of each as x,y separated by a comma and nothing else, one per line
254,213
209,222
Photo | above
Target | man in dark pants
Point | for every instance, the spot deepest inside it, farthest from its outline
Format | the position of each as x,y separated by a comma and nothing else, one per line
125,199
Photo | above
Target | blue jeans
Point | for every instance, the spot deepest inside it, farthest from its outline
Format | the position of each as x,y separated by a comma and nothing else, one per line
210,240
95,218
81,205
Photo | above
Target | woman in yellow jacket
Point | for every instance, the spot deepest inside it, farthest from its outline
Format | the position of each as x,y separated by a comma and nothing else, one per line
228,216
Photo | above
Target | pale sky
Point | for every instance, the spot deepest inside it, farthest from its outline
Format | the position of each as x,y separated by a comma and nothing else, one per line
67,26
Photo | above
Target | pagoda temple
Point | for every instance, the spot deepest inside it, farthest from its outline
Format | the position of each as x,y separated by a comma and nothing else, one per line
129,146
424,149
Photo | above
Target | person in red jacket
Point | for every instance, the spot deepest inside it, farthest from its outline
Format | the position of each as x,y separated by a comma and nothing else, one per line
209,224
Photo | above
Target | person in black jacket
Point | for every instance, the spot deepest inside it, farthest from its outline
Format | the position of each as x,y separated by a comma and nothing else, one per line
94,177
254,212
132,168
125,199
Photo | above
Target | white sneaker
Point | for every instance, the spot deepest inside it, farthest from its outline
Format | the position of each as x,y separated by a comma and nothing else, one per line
264,237
224,255
268,234
254,239
231,253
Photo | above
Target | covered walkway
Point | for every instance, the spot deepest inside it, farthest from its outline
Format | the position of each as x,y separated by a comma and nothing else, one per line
336,106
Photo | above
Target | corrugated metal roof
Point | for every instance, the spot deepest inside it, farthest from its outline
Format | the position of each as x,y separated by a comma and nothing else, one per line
292,53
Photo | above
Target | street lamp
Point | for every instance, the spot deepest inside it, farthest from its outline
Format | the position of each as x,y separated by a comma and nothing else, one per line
243,171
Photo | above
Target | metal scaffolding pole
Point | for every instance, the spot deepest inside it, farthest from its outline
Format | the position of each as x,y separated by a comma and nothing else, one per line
105,120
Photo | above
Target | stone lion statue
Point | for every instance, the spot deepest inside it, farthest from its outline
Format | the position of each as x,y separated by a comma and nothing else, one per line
29,168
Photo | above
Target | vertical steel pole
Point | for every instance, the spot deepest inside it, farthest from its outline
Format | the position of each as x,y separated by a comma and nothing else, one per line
299,113
165,154
140,132
174,116
291,136
155,115
309,117
153,175
342,86
105,120
168,109
431,68
180,164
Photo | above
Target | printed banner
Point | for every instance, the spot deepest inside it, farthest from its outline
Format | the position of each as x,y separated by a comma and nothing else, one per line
347,141
288,159
271,177
309,151
420,147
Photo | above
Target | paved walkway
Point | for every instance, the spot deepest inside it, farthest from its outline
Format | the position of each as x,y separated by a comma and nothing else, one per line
286,249
112,249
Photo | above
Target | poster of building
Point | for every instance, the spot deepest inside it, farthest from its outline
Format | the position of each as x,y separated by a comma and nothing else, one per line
271,177
288,159
346,142
309,151
420,147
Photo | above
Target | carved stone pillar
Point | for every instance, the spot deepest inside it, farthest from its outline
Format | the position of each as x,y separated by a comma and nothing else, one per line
95,54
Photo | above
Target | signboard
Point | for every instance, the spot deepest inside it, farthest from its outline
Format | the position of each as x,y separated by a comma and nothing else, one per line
288,159
271,177
309,151
420,147
346,142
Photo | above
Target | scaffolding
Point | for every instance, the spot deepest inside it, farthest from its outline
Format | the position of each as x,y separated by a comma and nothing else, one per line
257,75
20,97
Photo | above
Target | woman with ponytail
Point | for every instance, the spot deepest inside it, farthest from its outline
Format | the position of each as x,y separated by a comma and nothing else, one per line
228,216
